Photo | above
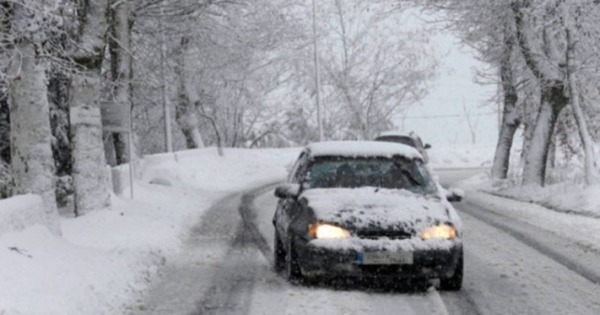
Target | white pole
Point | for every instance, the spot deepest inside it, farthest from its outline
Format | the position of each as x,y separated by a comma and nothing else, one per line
130,148
317,74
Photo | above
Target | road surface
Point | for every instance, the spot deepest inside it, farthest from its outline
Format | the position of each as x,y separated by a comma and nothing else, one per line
510,268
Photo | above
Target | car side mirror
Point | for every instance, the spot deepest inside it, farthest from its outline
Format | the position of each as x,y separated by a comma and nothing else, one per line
454,195
287,191
427,146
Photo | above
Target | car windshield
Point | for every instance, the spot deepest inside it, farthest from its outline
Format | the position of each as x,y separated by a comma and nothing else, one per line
379,172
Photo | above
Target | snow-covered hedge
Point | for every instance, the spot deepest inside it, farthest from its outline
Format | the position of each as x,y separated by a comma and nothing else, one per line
20,212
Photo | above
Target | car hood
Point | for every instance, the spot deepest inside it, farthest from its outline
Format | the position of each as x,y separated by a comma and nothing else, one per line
367,208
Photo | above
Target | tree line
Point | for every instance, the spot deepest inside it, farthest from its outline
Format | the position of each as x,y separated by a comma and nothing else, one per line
546,57
77,75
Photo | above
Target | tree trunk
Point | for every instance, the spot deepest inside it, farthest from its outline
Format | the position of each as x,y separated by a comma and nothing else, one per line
472,125
510,124
552,147
586,139
90,176
185,111
31,151
119,107
4,129
553,101
58,97
120,141
5,25
526,145
510,117
218,137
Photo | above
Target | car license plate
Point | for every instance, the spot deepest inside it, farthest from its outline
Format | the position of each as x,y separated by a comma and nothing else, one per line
385,258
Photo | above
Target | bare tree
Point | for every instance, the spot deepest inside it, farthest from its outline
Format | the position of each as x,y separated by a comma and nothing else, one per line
185,108
553,96
527,41
511,118
472,124
573,87
372,69
489,28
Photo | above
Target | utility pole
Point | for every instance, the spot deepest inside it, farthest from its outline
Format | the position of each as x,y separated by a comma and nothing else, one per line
130,149
317,74
163,92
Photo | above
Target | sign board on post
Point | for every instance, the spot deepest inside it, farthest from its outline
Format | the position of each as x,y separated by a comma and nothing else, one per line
116,118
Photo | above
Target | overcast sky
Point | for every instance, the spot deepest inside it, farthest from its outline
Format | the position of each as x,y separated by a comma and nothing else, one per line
454,86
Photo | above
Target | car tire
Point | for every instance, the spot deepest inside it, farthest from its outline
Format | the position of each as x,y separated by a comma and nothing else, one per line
454,283
278,254
292,270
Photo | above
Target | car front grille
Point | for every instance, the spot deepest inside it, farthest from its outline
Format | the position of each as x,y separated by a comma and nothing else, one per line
379,270
376,234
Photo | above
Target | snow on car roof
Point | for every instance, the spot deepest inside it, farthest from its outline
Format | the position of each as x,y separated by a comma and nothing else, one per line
362,148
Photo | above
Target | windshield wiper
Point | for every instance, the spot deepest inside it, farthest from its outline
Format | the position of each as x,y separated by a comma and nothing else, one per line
411,177
379,183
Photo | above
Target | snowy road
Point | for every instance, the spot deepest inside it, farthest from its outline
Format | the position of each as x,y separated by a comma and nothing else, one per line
510,268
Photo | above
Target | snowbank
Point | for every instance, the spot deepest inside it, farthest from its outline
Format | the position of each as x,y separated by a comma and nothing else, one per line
563,197
21,212
44,274
580,228
204,169
107,257
461,155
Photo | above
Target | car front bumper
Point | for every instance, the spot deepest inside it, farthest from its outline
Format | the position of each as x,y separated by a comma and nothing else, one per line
433,261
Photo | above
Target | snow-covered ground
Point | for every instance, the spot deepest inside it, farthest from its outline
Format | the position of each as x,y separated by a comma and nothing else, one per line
104,260
562,197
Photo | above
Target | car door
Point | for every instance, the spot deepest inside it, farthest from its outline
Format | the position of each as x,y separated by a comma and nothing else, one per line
287,208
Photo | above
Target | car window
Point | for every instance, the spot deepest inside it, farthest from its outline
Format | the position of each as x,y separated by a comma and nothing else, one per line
344,172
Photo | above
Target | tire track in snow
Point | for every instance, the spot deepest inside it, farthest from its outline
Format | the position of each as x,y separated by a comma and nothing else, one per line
507,276
215,273
233,284
248,214
565,252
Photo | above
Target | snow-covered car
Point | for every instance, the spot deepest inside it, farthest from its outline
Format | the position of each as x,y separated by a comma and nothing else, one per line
368,210
411,139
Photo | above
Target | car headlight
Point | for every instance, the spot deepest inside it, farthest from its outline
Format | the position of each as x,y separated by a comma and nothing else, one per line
442,231
328,231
